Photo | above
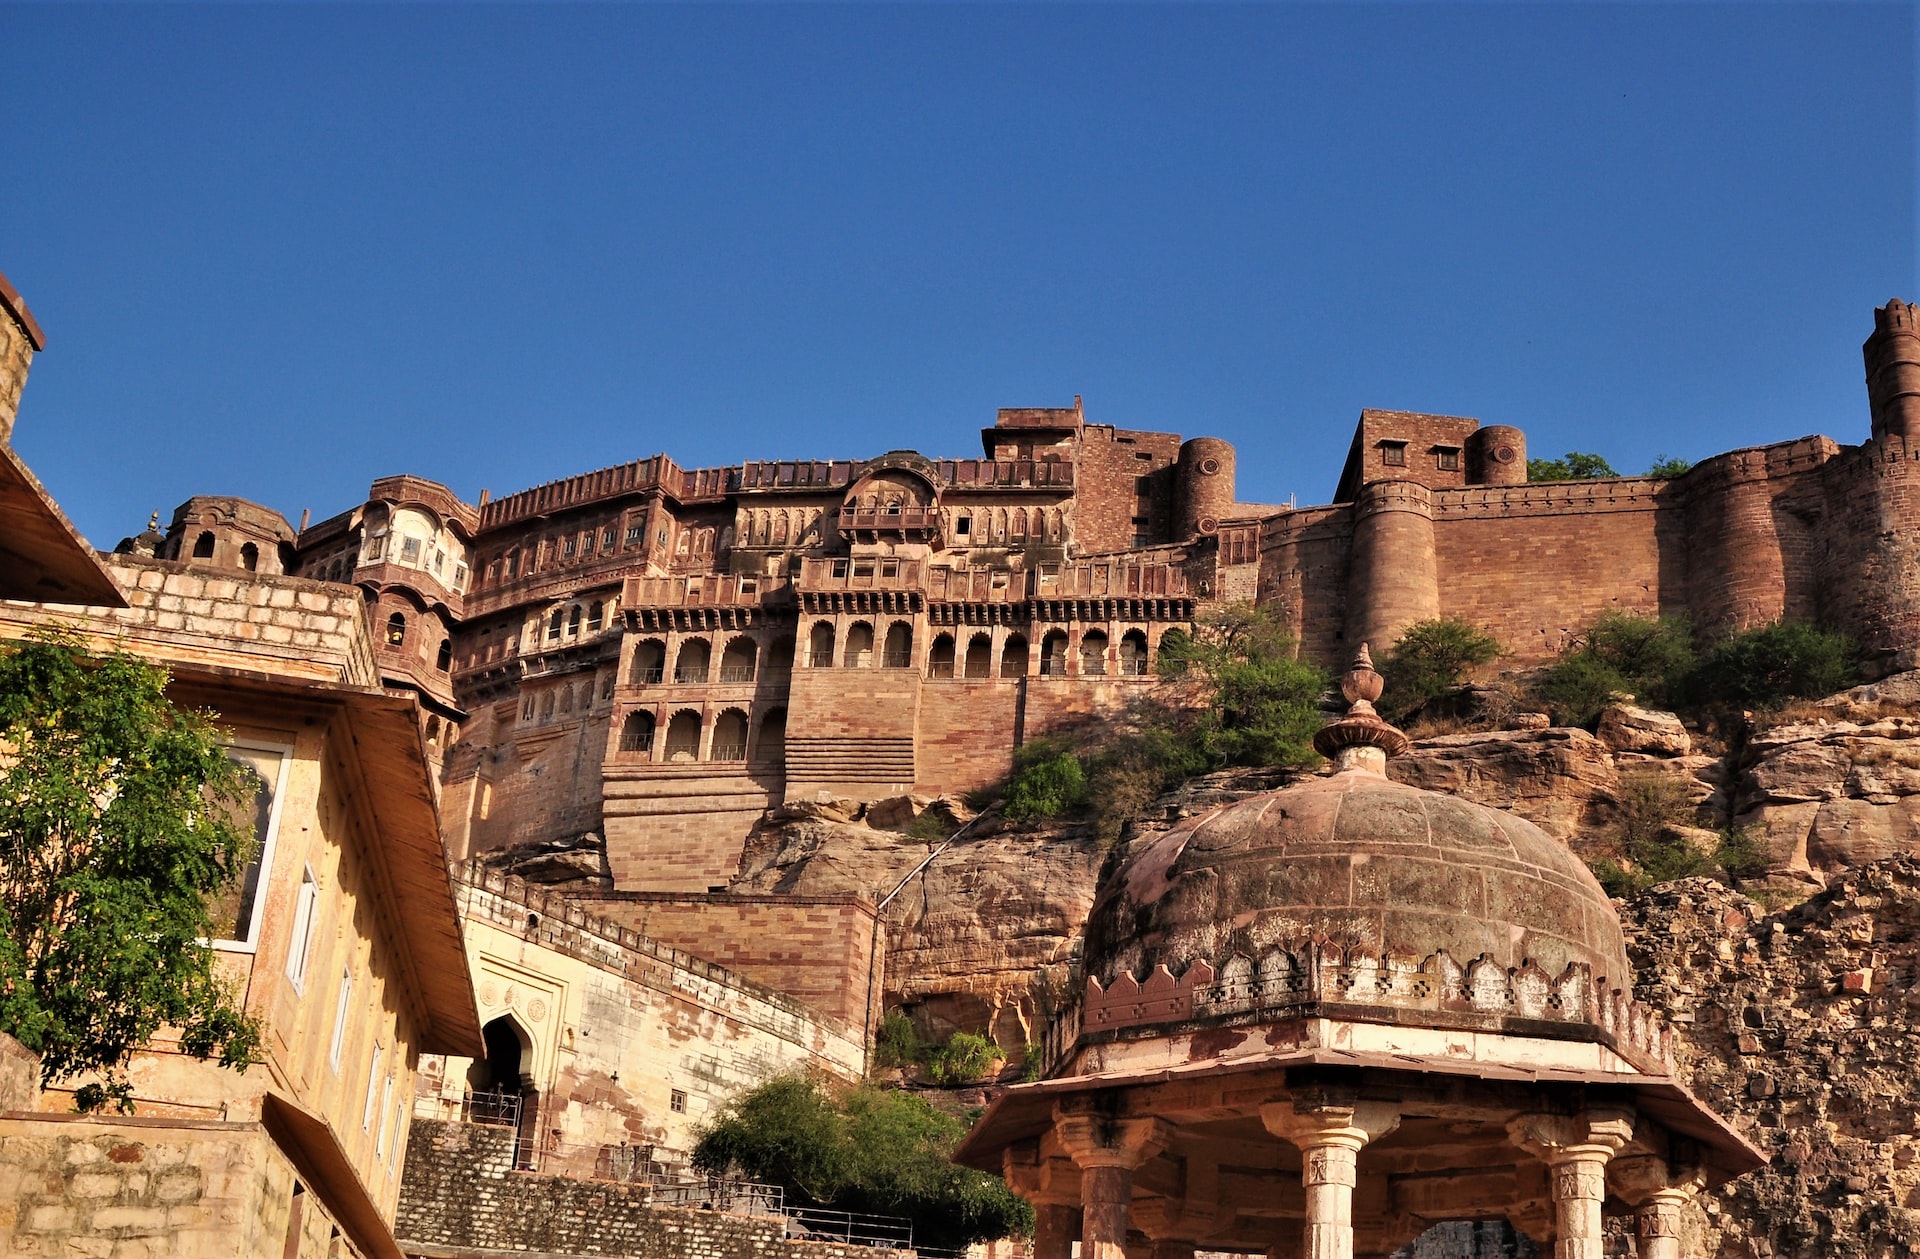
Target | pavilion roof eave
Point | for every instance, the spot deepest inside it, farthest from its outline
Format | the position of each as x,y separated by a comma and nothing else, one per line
1026,1110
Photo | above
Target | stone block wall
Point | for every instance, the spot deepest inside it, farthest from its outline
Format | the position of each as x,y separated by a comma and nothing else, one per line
1120,478
142,1189
818,949
459,1197
304,629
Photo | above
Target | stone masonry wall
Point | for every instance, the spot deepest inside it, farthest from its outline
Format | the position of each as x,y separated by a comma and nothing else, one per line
459,1197
16,356
142,1189
308,629
817,949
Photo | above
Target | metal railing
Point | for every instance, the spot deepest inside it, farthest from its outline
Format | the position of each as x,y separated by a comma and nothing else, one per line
886,1232
859,659
1090,667
728,752
736,673
737,1197
636,742
642,677
820,659
690,675
940,669
897,660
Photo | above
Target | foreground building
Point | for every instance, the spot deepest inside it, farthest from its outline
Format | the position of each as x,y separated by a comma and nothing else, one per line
342,938
1323,1019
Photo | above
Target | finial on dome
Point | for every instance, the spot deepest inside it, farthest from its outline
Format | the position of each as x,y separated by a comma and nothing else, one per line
153,523
1360,740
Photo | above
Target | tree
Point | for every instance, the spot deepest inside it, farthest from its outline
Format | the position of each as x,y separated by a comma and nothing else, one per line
1433,658
118,827
1256,702
861,1148
1666,467
1576,465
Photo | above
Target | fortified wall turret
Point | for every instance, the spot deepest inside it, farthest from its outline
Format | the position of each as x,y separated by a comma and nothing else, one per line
1893,370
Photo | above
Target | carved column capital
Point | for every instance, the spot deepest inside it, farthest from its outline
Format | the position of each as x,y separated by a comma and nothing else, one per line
1657,1190
1314,1125
1095,1140
1595,1134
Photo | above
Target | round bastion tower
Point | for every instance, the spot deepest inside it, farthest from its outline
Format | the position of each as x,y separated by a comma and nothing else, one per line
1893,370
1204,491
1497,455
1395,578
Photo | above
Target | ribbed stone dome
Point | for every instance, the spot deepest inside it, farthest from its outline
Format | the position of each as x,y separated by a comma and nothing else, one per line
1365,863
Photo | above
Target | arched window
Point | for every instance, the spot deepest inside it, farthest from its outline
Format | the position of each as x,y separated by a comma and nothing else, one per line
596,615
683,736
546,706
899,650
773,736
433,730
203,546
1013,657
859,654
649,662
940,658
396,629
1093,653
250,557
637,734
526,709
729,737
736,663
694,662
780,656
1053,654
573,620
443,660
553,625
566,700
820,646
980,656
1133,654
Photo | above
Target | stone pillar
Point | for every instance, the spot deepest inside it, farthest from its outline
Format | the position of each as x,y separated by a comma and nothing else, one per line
1055,1225
1107,1150
1329,1138
1657,1190
1576,1149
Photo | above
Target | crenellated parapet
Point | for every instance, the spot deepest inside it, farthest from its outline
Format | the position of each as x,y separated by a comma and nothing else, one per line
1321,979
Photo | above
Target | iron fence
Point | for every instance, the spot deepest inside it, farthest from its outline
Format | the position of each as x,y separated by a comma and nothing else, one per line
884,1232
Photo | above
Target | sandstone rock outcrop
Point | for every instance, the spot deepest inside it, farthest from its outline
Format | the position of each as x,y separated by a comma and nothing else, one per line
1830,795
1803,1027
1628,728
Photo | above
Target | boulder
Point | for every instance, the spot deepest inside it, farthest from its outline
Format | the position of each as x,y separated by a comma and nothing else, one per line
1562,780
896,812
1629,728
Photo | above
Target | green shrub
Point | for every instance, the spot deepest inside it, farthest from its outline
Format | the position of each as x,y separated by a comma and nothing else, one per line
1126,773
1649,657
1667,467
1433,658
896,1044
1030,1064
1577,686
964,1059
1647,849
1048,782
864,1149
931,827
1257,703
1575,466
1771,664
1742,854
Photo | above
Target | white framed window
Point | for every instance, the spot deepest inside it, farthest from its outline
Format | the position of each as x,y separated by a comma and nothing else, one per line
340,1019
373,1079
399,1121
306,907
236,913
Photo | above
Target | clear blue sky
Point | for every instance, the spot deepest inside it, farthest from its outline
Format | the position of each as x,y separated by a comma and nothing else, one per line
280,251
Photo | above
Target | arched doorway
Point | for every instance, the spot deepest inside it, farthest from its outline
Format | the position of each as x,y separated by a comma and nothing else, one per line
502,1087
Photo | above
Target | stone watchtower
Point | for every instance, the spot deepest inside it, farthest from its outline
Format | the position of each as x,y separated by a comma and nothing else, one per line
1893,370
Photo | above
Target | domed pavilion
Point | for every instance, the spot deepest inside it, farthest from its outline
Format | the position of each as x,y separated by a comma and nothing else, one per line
1322,1019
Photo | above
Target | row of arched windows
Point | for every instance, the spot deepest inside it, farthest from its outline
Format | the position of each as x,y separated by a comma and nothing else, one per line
568,621
561,701
686,738
693,662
